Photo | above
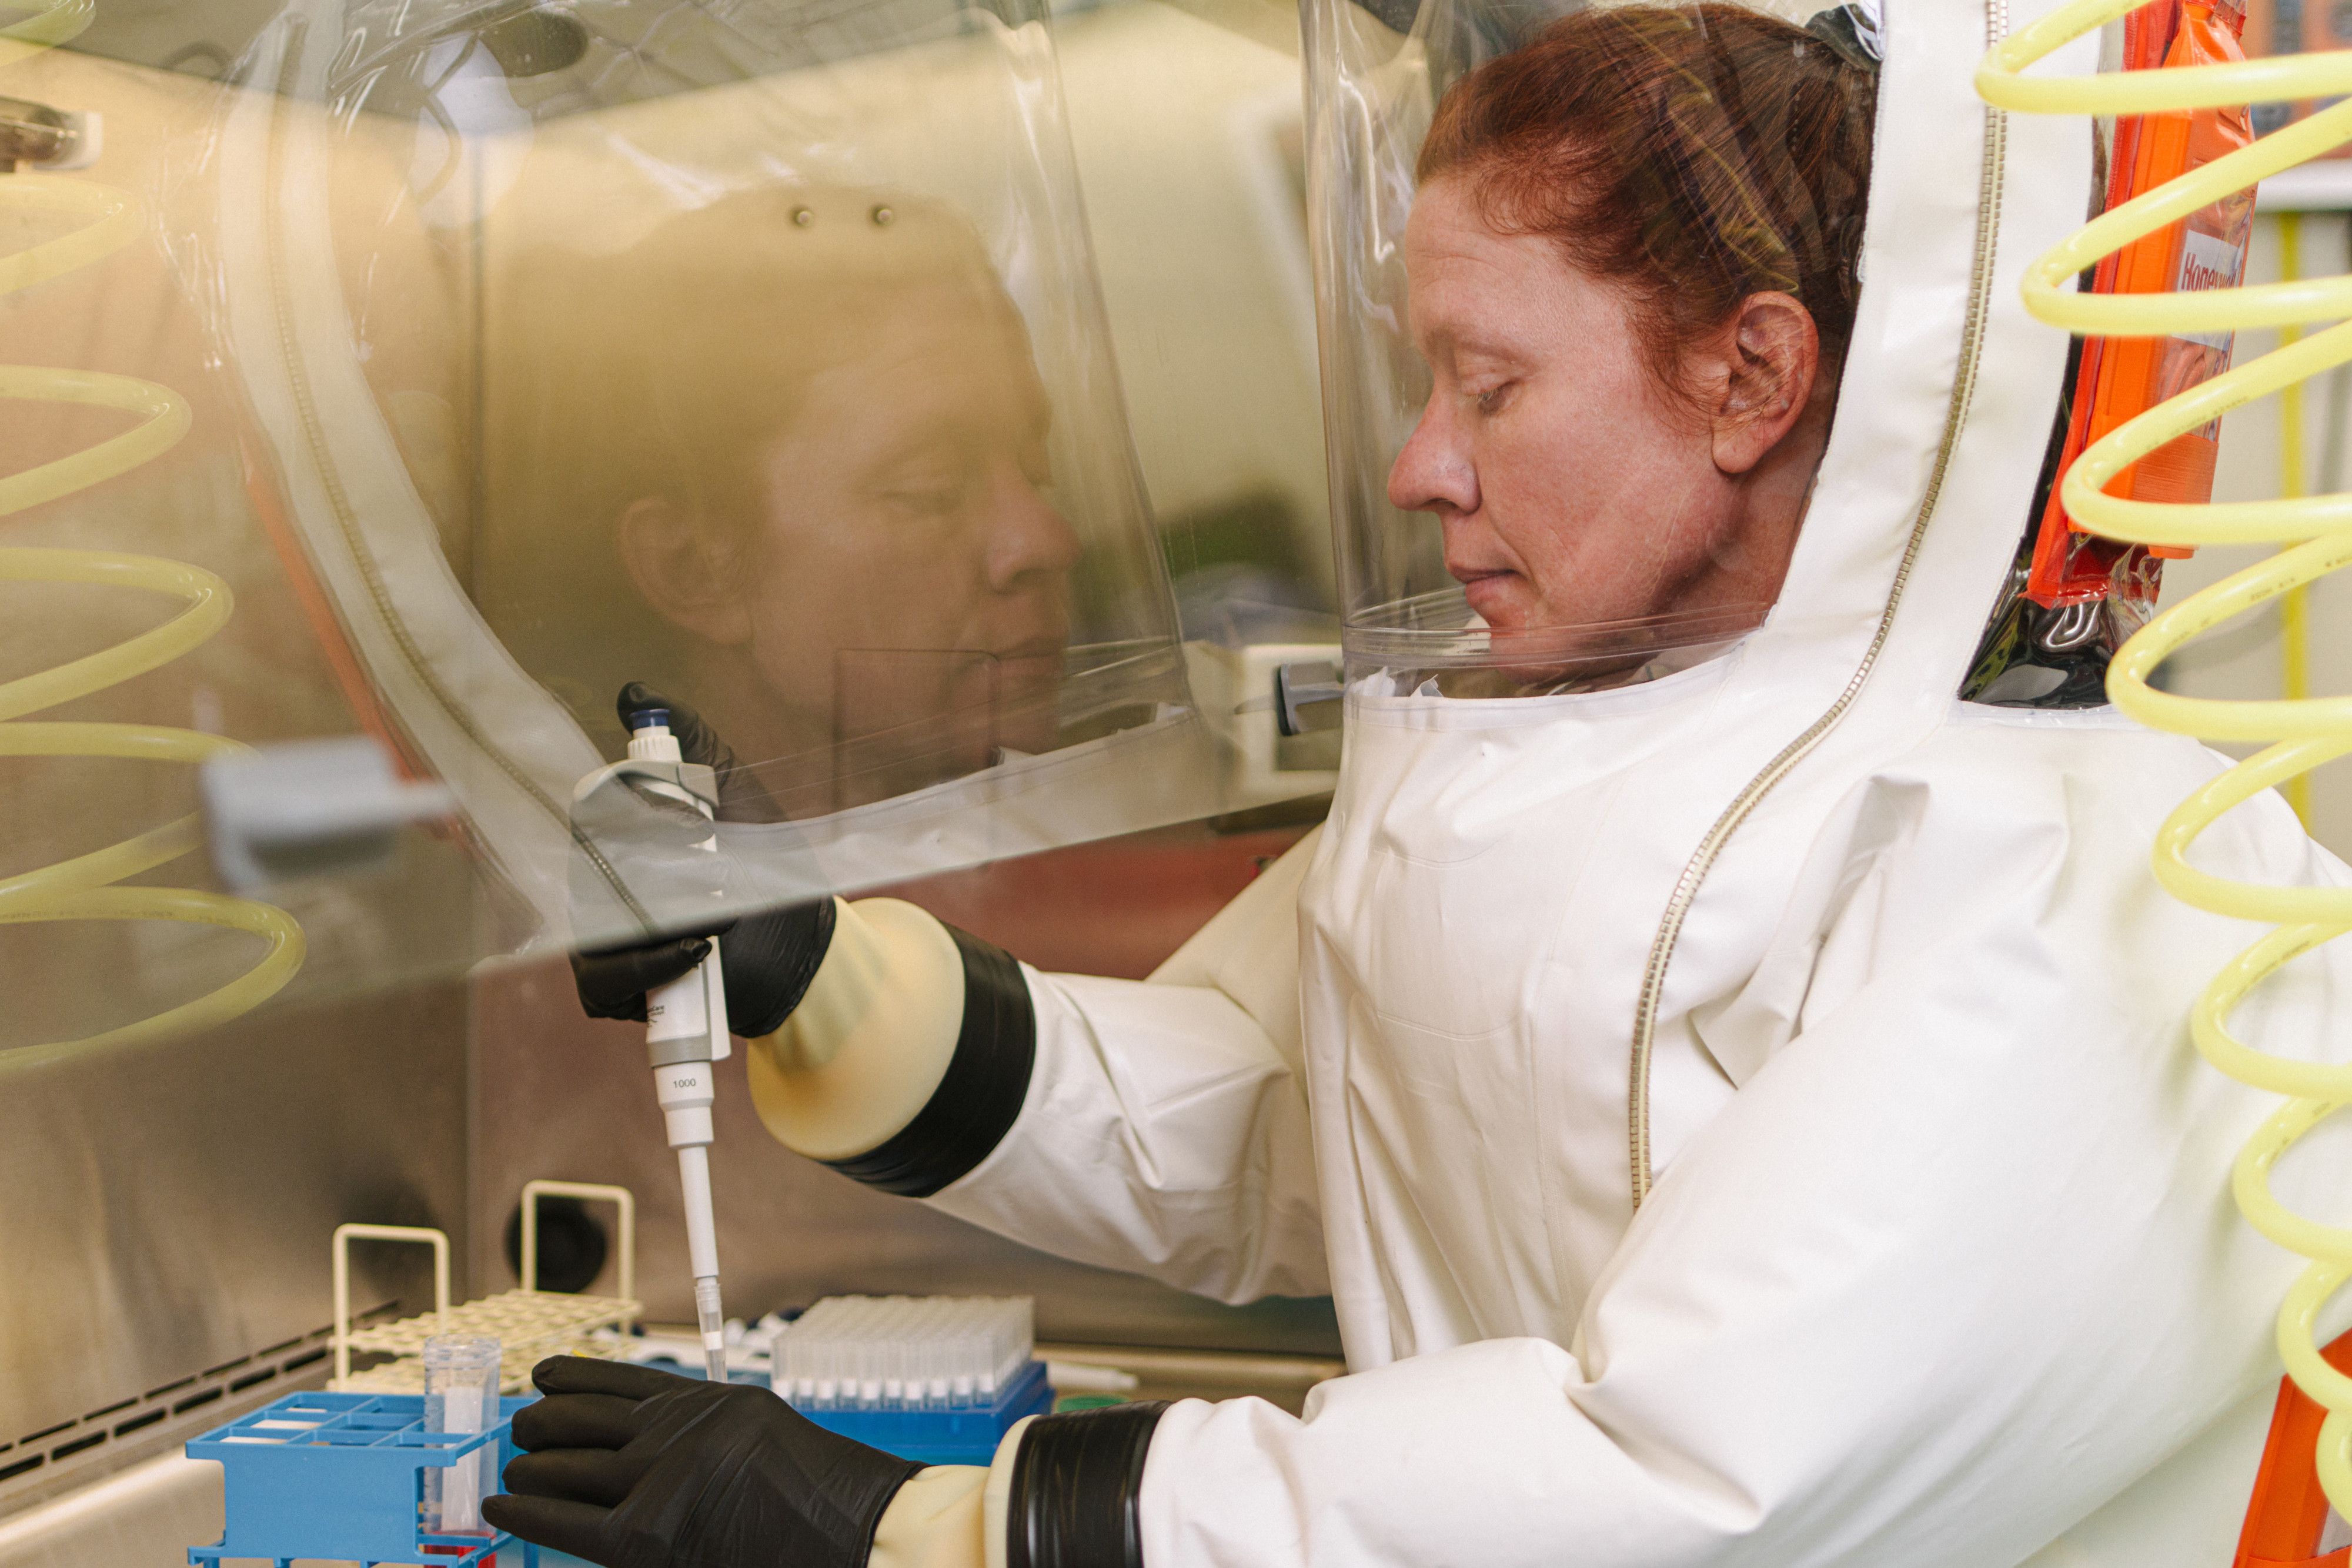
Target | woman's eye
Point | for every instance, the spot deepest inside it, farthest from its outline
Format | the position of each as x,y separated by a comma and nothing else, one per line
1492,398
927,498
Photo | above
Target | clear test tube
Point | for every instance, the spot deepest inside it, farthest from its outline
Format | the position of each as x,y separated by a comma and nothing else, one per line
461,1394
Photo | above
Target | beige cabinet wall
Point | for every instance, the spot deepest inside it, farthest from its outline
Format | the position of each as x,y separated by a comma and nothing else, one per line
1188,130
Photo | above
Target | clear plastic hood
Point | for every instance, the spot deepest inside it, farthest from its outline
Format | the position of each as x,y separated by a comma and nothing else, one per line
787,396
493,357
1585,278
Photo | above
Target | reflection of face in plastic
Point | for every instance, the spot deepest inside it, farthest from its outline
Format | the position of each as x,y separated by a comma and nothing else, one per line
781,458
898,566
928,453
1573,488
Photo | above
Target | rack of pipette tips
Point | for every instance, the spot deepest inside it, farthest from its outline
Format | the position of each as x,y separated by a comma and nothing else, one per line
936,1379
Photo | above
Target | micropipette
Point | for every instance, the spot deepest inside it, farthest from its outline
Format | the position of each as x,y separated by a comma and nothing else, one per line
685,1032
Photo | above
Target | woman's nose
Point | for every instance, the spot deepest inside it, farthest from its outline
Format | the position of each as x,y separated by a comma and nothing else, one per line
1433,473
1028,537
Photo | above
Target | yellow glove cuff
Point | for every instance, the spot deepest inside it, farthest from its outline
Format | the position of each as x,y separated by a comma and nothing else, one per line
872,1039
950,1516
935,1521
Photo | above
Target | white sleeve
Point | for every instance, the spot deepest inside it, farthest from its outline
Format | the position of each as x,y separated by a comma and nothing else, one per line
1954,1268
1165,1131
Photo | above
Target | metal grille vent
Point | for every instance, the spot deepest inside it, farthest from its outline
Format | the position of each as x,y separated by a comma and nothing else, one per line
38,1466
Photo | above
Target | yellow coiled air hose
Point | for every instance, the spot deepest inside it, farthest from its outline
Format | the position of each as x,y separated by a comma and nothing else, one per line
2316,532
83,888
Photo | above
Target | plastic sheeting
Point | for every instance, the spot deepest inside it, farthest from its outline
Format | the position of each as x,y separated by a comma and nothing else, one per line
755,353
494,355
788,392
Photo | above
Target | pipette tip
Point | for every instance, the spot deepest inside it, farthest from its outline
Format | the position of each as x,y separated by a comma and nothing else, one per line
713,1326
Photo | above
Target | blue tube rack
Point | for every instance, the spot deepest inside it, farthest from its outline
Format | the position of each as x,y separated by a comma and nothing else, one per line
959,1435
341,1477
965,1436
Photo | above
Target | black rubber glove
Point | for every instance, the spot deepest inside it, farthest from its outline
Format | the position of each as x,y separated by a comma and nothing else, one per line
637,1469
769,957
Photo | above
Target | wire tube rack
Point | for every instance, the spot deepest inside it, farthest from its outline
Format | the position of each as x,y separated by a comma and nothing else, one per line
530,1323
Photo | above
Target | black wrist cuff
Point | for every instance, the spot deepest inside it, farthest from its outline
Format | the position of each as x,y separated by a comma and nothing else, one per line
1077,1488
800,934
980,1098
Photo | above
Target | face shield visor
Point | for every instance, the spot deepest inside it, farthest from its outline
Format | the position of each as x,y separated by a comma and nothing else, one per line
1585,278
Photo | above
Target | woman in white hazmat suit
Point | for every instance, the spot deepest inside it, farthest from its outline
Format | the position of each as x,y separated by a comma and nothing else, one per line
1839,1189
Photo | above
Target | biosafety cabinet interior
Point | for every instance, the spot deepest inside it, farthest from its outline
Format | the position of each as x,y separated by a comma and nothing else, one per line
489,482
387,372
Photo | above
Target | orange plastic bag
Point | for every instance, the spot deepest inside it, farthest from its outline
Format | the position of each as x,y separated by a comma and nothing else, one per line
2119,378
2288,1521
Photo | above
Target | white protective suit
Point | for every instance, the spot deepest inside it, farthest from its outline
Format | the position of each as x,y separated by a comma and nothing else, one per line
1939,1267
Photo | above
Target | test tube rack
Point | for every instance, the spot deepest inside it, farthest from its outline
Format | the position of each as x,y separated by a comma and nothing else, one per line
340,1477
530,1323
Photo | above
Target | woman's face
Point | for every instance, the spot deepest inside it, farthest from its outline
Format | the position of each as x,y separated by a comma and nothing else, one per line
1572,490
905,568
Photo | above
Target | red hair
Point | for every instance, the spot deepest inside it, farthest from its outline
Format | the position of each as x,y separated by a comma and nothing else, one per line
1696,154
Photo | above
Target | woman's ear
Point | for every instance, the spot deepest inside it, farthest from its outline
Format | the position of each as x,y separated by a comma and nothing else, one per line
1765,363
685,567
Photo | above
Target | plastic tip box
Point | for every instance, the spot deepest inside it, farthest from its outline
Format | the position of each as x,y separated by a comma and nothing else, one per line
965,1434
340,1477
936,1379
958,1434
